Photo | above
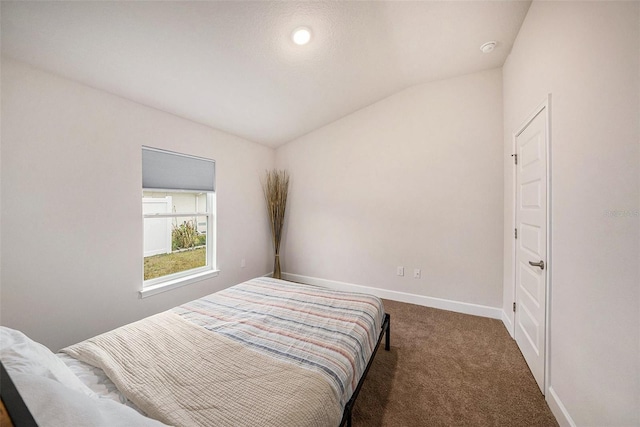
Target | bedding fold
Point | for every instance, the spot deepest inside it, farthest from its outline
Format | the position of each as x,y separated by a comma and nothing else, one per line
183,375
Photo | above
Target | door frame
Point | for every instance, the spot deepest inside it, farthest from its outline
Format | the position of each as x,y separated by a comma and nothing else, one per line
546,106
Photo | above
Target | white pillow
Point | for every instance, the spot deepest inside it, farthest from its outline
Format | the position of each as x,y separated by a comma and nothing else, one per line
19,354
54,405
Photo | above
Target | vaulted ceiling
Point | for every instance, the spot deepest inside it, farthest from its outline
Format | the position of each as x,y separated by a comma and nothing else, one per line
233,65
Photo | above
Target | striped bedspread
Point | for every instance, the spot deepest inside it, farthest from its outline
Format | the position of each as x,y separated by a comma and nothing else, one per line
331,333
263,353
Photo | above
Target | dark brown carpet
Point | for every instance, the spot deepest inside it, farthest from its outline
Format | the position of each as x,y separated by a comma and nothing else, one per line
449,369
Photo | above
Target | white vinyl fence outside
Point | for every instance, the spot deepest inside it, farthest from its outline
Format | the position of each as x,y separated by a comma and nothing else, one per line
157,231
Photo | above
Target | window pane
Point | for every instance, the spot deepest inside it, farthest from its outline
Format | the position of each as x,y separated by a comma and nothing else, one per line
179,202
174,245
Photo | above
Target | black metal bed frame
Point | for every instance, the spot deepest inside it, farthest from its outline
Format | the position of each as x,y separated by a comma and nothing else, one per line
386,331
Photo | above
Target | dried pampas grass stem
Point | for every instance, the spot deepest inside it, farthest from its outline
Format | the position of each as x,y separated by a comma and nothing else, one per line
275,187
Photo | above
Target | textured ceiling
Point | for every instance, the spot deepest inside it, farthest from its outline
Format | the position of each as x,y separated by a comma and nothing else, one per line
233,66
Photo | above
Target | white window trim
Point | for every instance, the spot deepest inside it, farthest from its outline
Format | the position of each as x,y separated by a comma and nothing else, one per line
176,280
168,285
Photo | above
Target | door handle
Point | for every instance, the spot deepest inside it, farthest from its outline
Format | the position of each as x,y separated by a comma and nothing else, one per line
537,264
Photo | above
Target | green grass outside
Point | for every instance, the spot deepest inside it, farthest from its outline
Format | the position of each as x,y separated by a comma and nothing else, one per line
161,265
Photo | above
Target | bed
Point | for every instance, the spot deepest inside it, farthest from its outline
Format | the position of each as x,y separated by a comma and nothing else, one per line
265,352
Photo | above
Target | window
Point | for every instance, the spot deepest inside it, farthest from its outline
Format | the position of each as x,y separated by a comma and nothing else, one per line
178,207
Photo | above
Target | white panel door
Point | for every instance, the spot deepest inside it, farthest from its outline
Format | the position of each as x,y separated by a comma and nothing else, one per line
531,243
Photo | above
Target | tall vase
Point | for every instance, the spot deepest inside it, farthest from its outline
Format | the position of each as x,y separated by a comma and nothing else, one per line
277,274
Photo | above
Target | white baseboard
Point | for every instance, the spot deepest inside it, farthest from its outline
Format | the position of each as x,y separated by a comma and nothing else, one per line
558,409
506,319
443,304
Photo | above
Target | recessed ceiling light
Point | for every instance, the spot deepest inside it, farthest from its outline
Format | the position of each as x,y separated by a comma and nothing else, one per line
301,35
488,47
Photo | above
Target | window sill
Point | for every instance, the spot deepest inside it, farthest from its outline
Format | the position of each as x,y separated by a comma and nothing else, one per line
177,283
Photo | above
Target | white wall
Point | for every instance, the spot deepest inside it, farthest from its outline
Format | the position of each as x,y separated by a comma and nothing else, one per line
414,180
71,160
587,56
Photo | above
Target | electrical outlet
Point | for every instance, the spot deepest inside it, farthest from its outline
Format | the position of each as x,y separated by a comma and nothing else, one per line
416,273
400,271
243,263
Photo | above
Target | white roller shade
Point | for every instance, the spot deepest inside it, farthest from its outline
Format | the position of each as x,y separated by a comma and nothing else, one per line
166,170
